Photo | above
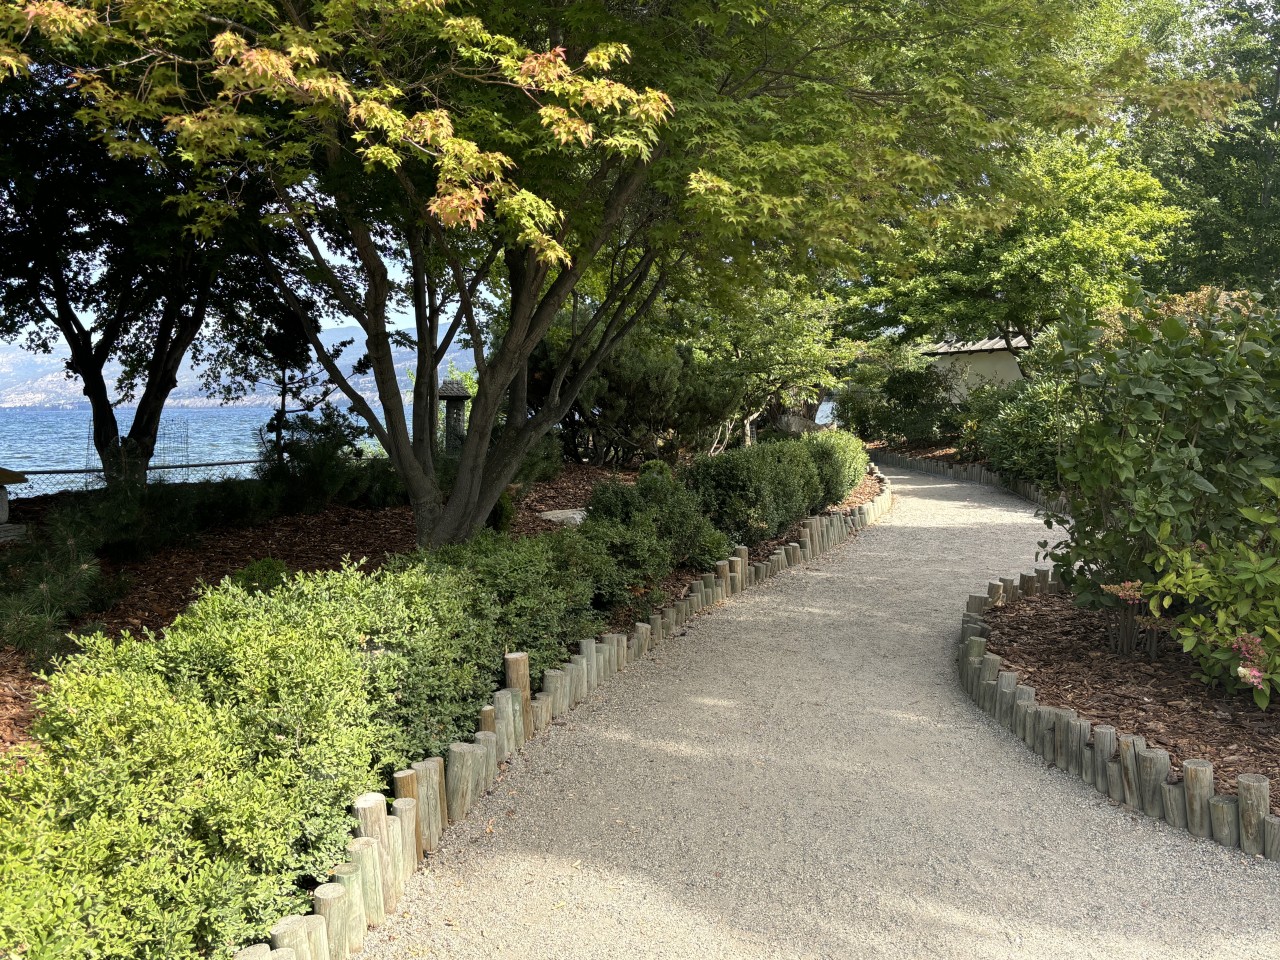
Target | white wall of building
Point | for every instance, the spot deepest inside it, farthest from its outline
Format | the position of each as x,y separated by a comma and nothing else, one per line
997,366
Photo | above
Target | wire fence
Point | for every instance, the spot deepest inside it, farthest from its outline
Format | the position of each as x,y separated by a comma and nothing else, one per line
41,482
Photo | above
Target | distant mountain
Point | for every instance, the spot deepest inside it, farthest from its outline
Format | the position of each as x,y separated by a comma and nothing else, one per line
38,380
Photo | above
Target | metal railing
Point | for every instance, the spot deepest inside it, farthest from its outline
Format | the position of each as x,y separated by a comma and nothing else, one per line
41,482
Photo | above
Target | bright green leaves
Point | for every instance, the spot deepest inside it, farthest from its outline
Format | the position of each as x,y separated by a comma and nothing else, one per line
387,79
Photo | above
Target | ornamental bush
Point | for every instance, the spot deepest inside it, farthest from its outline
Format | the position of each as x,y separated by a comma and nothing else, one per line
841,461
1020,428
1171,478
660,507
753,493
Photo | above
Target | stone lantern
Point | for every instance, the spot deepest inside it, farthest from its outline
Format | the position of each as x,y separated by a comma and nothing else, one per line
455,396
7,477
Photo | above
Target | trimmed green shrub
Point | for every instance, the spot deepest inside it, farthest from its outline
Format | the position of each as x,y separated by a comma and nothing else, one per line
753,493
841,461
541,591
656,507
182,786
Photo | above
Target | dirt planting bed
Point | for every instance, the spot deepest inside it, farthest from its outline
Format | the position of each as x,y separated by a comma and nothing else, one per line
1061,650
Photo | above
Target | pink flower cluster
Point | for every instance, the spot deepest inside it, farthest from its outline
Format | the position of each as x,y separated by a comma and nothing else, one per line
1251,653
1129,592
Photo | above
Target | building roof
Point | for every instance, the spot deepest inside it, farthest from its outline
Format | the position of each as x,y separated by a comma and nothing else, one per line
11,476
454,390
991,345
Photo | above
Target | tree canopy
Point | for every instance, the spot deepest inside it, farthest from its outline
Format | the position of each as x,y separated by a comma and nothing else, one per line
503,157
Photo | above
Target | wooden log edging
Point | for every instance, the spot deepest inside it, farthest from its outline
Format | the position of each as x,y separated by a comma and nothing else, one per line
1120,766
395,838
970,473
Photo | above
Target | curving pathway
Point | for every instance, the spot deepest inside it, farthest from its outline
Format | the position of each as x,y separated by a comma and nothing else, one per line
800,777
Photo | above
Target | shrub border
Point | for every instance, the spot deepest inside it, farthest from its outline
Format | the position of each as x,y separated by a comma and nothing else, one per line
393,838
1118,766
969,473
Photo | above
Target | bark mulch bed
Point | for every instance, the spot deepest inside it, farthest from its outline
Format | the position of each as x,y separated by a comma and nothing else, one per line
18,689
1061,650
569,491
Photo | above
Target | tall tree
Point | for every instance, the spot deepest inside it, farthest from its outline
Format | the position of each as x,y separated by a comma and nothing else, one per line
499,159
1087,218
97,259
1227,175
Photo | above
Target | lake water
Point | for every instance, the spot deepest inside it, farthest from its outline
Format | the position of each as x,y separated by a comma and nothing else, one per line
33,438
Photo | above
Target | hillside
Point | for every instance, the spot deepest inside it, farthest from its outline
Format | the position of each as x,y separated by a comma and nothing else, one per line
35,380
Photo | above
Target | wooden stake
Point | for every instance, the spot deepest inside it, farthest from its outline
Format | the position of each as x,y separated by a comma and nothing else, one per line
1271,837
578,678
404,784
1175,804
1115,781
291,934
1104,748
518,679
505,708
363,852
1130,744
1062,738
488,742
459,778
1006,684
1254,791
556,683
1153,768
330,904
371,814
395,831
1225,814
542,711
348,874
1197,776
486,718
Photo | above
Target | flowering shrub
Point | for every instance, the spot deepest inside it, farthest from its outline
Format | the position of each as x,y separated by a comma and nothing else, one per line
1127,626
1171,479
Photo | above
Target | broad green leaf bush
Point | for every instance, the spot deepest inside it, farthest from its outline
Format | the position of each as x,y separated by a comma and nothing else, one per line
1171,478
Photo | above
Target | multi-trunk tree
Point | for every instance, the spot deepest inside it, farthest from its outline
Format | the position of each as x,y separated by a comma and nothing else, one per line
473,171
98,262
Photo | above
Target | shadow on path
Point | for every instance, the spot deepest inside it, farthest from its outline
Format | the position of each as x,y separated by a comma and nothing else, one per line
798,776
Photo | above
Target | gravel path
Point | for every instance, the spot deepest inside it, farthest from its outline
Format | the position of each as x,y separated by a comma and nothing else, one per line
799,777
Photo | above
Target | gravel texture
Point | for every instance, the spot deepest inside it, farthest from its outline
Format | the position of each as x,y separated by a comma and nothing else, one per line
798,776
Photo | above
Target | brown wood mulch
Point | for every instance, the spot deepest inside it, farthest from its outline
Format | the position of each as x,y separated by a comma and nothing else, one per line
569,491
1061,650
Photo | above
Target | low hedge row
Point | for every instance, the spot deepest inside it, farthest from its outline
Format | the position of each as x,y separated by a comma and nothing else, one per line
185,789
754,493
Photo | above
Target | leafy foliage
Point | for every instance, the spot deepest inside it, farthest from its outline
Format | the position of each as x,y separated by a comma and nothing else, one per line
1019,429
753,493
1170,477
661,503
1088,216
841,461
895,394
